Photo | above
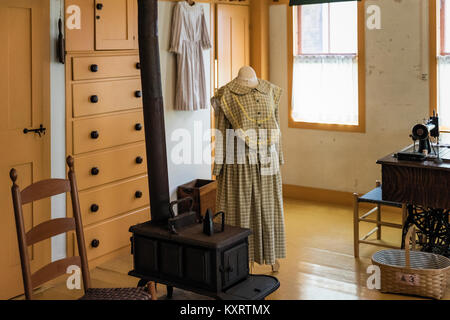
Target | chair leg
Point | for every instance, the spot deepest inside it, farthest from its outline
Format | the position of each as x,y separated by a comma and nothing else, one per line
379,222
152,290
356,225
404,214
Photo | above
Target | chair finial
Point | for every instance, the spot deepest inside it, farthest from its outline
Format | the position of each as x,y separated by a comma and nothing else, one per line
70,162
13,175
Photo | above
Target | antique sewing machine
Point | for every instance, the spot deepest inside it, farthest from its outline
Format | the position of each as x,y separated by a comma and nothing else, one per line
419,175
424,148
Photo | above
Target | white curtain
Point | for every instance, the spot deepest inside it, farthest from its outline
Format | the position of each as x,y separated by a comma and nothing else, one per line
444,91
325,89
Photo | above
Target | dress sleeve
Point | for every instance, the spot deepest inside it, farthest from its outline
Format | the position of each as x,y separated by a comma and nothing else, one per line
206,42
276,97
219,140
177,30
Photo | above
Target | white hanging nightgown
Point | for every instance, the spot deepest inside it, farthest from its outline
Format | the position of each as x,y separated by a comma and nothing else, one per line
189,38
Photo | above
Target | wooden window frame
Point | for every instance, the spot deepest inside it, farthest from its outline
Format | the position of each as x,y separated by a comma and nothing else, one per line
361,127
433,53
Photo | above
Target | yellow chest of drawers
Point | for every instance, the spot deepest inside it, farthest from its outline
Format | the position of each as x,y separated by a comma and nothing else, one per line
105,134
104,125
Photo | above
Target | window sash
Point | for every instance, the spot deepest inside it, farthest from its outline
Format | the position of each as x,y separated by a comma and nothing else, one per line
360,57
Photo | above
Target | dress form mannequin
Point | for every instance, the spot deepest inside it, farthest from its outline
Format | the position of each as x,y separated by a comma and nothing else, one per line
247,77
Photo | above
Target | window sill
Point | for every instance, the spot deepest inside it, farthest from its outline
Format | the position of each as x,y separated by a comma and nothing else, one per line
326,127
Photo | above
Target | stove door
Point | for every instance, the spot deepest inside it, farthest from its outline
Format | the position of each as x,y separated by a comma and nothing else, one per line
255,287
234,265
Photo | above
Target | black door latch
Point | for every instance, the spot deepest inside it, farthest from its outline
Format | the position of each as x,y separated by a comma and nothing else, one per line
39,131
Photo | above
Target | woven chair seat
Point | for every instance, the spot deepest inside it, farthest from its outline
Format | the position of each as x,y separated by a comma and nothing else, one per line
116,294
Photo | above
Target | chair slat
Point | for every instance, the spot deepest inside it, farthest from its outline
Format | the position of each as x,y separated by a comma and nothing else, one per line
53,270
49,229
44,189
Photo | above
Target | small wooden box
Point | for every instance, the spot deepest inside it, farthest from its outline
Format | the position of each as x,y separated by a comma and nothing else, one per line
202,191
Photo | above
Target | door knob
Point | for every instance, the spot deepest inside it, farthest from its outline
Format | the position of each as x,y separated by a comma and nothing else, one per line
138,94
94,67
95,243
139,160
95,171
138,127
138,65
94,207
138,194
95,134
94,99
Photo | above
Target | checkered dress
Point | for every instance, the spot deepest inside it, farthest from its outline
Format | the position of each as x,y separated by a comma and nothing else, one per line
247,165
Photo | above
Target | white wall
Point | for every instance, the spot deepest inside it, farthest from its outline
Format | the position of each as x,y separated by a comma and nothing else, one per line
58,127
396,99
176,120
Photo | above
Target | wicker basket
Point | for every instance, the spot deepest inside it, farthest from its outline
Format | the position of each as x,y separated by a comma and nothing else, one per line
412,272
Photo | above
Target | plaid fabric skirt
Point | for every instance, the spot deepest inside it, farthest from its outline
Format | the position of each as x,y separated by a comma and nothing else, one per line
254,201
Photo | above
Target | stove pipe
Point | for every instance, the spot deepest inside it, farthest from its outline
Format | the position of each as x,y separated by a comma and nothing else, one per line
153,109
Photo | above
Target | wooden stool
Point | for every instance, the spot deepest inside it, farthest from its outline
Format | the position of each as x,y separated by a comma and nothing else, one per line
375,197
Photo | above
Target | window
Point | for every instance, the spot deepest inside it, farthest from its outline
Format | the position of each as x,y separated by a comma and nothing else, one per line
441,93
327,80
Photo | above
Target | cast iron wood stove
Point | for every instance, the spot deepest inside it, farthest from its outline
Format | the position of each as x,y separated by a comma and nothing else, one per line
170,249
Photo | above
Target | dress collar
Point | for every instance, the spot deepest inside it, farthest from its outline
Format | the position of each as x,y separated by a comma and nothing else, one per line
235,87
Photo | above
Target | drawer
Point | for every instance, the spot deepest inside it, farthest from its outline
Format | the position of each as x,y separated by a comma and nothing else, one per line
107,96
100,133
101,67
109,166
113,199
113,234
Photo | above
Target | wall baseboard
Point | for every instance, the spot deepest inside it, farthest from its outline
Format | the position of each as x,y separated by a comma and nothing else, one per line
316,194
326,196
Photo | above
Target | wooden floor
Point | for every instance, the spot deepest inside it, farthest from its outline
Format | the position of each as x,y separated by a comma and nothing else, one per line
319,263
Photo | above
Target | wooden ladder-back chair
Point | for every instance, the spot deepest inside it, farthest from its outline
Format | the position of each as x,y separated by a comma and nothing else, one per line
48,188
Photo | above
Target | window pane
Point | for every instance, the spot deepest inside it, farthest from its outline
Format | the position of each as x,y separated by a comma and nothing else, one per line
329,28
325,89
313,34
443,92
447,27
343,27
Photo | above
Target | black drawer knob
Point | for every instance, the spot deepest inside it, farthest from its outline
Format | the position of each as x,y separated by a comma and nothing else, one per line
95,134
139,160
94,207
138,65
99,6
94,68
94,99
138,94
138,194
95,171
138,127
95,243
